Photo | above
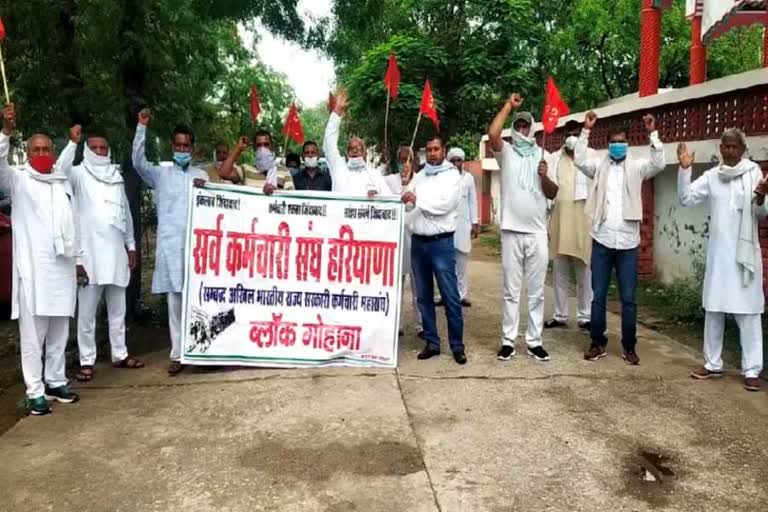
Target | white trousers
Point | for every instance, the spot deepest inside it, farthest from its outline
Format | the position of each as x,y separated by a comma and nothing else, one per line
751,334
174,324
561,275
462,262
35,333
88,299
524,257
414,304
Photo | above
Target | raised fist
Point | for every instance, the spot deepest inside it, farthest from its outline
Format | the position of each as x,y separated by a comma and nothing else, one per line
76,133
650,122
242,144
590,120
515,101
145,116
9,118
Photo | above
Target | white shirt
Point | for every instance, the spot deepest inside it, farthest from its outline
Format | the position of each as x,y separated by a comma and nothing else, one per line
521,211
615,232
437,203
467,214
49,281
345,181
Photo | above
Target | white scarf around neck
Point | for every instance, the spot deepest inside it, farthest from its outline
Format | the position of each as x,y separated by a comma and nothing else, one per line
63,218
746,247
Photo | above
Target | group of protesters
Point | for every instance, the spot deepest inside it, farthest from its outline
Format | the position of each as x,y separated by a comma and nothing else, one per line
74,238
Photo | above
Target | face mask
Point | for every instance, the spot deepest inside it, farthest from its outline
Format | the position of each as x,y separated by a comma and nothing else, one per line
618,150
265,159
182,159
570,142
293,170
42,164
311,162
356,164
95,160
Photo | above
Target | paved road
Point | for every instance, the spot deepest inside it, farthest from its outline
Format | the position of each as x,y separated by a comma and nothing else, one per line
432,436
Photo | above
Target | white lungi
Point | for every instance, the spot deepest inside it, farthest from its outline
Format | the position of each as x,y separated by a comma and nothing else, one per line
561,274
88,302
751,335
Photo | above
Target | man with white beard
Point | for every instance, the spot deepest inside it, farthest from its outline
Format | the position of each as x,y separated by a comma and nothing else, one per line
351,177
108,252
733,281
44,250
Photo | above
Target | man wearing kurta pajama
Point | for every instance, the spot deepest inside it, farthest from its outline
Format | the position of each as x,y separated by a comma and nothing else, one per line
171,184
525,189
733,281
44,249
108,252
466,223
569,242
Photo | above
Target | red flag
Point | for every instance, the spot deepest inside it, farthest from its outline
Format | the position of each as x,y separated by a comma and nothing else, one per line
255,105
392,78
554,107
2,30
331,102
428,105
292,127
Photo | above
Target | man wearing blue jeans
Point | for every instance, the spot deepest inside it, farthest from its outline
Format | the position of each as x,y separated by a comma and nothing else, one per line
432,197
615,208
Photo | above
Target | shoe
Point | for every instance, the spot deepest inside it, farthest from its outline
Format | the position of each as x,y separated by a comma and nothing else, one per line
421,335
752,384
175,368
506,353
39,406
460,357
466,304
61,394
400,332
552,324
538,353
439,303
703,374
631,358
595,353
585,325
427,353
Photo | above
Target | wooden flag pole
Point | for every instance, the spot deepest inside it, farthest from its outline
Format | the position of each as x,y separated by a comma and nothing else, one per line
5,80
415,131
386,125
543,143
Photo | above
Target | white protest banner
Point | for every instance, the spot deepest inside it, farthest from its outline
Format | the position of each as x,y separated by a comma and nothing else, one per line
290,280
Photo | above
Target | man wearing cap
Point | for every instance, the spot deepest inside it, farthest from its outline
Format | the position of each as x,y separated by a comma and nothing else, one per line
466,224
525,189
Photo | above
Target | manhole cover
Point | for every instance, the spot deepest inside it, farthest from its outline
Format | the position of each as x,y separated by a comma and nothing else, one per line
654,467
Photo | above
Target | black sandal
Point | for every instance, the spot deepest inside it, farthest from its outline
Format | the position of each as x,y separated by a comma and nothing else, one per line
130,363
85,374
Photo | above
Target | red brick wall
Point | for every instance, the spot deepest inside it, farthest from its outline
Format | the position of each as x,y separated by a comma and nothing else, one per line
645,258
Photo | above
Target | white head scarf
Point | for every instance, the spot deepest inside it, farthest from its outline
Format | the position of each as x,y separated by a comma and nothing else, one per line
456,153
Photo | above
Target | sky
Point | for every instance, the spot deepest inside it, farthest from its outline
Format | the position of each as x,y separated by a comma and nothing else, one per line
310,73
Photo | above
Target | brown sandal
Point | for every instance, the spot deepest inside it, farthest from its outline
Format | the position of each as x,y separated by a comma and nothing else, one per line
85,374
175,368
130,363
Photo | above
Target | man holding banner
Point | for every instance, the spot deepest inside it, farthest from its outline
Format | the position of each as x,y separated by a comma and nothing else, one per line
171,184
525,189
351,176
434,194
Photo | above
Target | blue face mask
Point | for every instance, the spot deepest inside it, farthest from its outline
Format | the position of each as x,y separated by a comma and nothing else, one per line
618,150
182,159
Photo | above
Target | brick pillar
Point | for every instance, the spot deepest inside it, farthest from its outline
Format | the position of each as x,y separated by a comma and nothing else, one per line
645,258
698,70
650,48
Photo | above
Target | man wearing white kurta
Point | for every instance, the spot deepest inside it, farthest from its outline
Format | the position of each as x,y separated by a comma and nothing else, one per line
525,189
171,185
396,186
351,176
44,250
432,200
108,252
733,280
466,223
569,242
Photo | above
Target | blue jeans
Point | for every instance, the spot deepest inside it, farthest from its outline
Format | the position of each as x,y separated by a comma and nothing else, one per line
604,260
432,256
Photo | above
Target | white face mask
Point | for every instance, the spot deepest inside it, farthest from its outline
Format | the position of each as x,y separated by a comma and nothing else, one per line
570,142
356,164
265,159
311,161
95,160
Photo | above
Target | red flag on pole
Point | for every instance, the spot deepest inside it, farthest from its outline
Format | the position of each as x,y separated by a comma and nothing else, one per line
554,107
2,30
292,127
331,102
392,78
428,105
255,105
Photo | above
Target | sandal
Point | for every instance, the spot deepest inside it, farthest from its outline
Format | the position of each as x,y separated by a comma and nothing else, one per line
130,363
175,368
85,374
